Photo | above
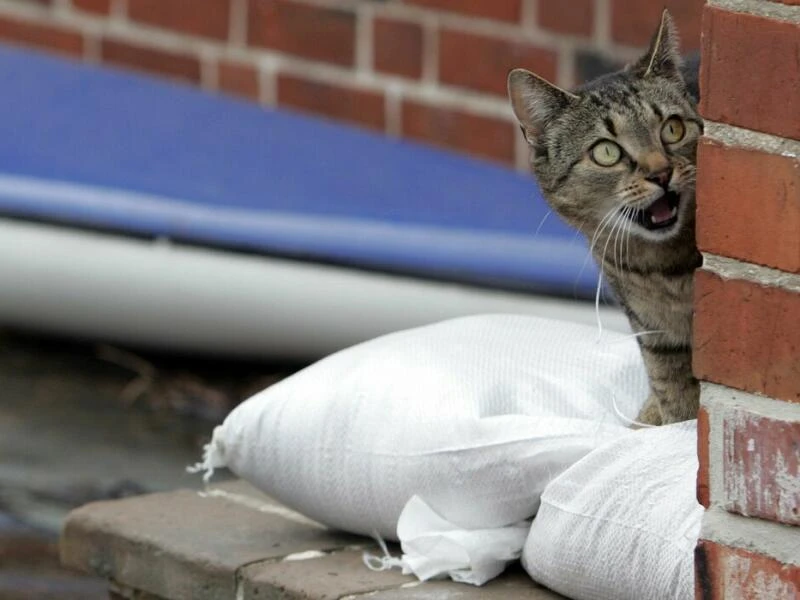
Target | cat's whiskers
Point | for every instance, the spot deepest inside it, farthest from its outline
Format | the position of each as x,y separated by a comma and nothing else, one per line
544,218
616,238
629,232
622,219
601,226
579,231
628,242
615,222
606,219
597,305
624,235
627,212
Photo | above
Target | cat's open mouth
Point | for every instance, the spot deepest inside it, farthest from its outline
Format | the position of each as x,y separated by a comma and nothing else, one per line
661,214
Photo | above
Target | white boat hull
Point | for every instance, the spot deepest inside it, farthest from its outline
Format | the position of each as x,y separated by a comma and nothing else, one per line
161,295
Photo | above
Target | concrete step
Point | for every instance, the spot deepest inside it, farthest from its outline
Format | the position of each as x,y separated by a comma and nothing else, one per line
232,542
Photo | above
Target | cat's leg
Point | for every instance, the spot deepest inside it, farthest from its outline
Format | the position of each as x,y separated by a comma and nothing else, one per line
681,402
651,411
673,388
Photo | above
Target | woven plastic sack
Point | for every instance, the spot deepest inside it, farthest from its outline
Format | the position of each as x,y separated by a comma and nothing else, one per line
474,415
622,523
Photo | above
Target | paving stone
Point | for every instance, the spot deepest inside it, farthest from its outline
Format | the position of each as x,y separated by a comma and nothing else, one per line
41,584
183,545
322,578
117,591
513,585
234,542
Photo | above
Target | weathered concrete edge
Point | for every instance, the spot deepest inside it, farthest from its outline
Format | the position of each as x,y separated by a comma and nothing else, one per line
92,544
771,10
224,492
718,395
730,268
404,586
118,590
779,541
243,580
730,135
85,547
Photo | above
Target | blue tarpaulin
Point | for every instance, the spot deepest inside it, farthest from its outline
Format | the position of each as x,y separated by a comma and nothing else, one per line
84,146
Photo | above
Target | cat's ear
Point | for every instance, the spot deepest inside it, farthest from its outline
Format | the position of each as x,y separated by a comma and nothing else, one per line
663,58
535,101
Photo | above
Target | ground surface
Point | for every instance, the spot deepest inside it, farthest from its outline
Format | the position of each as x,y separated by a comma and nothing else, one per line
80,422
231,541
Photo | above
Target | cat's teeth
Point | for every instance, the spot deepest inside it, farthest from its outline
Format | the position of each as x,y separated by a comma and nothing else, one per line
672,213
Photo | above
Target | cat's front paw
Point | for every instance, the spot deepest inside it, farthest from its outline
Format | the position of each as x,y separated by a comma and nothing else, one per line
650,413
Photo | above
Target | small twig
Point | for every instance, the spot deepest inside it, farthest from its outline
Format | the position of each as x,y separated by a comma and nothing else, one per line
145,370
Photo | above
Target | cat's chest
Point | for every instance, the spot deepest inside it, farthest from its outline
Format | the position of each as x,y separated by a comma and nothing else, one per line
659,301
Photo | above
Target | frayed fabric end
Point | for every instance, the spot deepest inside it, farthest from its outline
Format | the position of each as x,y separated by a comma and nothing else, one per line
385,562
213,457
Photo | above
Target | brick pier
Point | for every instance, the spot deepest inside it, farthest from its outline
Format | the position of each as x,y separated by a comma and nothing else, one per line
747,323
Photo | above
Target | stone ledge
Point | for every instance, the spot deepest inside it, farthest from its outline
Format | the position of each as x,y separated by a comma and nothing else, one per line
237,543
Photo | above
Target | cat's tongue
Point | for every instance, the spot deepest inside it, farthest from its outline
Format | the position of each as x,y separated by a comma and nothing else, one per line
660,210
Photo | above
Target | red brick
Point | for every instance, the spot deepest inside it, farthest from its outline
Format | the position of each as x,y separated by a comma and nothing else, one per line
238,79
207,18
182,67
482,63
749,205
486,137
398,47
102,7
761,466
703,431
633,22
725,573
747,336
575,17
750,74
337,102
36,35
318,33
502,10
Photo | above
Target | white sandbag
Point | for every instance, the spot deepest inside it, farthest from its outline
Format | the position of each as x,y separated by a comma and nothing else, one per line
474,415
622,523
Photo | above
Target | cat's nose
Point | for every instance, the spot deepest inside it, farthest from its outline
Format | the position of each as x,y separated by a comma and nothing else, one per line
661,177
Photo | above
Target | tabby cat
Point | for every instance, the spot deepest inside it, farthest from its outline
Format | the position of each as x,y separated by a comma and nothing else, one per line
616,158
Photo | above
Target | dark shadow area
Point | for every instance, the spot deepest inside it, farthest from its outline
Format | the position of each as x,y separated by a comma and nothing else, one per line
82,422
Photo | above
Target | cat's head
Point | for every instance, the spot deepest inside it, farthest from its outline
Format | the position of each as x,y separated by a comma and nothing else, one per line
620,150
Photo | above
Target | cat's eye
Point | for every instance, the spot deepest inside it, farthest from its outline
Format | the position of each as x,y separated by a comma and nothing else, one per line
606,153
673,130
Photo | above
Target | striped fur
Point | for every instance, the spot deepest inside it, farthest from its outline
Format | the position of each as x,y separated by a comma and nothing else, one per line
647,258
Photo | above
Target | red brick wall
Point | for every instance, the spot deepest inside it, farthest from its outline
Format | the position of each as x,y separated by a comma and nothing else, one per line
747,321
429,70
